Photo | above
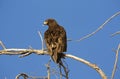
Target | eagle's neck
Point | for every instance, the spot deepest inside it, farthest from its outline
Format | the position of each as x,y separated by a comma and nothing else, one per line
53,27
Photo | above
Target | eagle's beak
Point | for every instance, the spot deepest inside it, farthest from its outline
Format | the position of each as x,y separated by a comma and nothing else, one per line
45,23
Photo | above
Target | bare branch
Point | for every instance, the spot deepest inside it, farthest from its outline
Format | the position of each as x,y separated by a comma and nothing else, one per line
100,27
22,52
13,51
26,52
116,61
116,33
94,66
41,52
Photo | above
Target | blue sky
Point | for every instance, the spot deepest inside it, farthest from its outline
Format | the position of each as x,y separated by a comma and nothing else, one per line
21,19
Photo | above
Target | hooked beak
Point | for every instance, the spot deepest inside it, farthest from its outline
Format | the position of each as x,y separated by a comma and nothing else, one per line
45,23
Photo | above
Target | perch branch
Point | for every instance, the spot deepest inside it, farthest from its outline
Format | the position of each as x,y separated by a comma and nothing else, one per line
94,66
100,27
26,52
41,52
116,61
23,52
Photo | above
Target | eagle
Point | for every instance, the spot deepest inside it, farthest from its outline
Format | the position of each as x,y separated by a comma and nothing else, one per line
55,40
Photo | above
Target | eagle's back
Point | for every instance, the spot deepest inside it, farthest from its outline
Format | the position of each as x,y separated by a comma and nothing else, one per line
56,42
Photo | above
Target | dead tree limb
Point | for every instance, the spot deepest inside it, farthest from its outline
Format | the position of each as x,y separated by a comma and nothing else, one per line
42,52
26,52
94,66
22,52
115,63
100,27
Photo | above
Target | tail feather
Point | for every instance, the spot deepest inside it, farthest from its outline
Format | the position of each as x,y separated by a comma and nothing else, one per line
57,57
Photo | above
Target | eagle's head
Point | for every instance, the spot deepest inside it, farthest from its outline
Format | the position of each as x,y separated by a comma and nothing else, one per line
50,22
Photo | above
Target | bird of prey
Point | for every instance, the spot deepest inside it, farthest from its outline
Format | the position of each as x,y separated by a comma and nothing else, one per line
55,39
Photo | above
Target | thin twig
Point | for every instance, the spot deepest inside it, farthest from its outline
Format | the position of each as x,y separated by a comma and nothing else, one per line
100,27
42,41
116,61
1,43
116,33
26,54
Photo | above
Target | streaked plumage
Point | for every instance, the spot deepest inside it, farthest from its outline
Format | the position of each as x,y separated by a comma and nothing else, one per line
55,39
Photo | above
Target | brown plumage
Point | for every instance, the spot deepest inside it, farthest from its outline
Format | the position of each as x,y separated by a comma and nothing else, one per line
55,39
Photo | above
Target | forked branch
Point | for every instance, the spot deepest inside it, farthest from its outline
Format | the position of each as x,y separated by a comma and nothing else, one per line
100,27
23,52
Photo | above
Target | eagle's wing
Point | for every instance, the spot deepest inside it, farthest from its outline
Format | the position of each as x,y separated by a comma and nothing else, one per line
56,42
48,40
59,44
62,41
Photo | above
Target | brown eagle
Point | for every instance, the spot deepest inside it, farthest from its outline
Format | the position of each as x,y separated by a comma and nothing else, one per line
55,39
